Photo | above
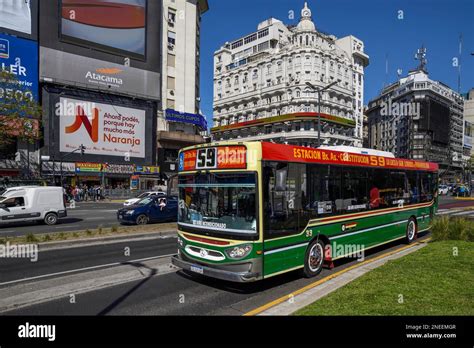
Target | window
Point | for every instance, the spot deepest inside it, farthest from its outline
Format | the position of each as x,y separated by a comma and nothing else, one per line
171,60
285,196
14,202
171,38
171,16
354,190
171,82
170,104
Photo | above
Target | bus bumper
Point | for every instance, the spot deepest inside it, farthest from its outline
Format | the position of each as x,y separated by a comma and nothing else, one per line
240,277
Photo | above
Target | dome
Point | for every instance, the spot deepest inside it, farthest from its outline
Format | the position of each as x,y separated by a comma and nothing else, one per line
306,24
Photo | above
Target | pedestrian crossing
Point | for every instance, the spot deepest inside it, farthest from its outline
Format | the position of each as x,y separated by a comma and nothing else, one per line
466,213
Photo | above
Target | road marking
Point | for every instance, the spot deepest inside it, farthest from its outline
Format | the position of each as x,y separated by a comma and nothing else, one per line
448,212
463,213
85,269
324,280
7,231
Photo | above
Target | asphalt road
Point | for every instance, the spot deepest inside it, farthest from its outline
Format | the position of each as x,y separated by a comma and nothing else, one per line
175,293
83,216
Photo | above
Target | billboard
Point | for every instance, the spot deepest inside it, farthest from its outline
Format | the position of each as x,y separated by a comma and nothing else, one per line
16,16
67,68
117,25
104,129
20,58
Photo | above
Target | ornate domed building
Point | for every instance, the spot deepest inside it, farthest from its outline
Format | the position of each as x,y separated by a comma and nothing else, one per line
261,89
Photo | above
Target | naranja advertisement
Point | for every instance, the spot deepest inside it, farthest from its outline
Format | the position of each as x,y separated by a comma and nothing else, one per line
104,129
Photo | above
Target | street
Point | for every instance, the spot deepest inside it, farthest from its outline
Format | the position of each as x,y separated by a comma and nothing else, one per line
84,216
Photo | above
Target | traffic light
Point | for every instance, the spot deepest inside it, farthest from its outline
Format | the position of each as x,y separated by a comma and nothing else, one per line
83,149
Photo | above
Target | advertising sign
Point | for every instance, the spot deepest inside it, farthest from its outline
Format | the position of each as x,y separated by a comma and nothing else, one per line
88,167
19,57
16,15
222,157
147,170
66,68
287,153
116,24
104,129
175,116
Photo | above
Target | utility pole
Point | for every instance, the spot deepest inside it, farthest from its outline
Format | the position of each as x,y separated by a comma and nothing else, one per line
319,91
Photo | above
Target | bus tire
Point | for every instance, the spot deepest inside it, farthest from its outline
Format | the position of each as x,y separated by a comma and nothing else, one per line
314,259
411,231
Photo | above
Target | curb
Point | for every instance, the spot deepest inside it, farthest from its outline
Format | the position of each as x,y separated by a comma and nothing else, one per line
104,240
288,304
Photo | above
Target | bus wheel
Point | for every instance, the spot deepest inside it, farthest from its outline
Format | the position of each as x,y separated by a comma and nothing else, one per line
314,258
411,231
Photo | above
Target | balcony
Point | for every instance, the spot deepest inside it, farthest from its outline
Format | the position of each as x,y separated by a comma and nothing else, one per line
179,137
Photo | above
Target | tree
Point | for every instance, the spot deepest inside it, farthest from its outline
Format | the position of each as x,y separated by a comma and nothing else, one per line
19,112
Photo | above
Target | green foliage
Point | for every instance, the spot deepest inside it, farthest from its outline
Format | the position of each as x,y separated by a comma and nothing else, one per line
16,111
46,238
457,228
31,238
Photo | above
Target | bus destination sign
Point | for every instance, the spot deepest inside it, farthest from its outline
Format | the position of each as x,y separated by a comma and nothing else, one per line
222,157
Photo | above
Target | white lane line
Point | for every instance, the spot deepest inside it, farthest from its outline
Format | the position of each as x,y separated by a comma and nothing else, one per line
463,213
448,212
85,269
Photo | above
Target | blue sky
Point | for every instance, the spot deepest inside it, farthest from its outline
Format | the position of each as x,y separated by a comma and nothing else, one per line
435,23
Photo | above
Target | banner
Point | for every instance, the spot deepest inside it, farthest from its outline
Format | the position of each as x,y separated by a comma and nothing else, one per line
103,129
19,57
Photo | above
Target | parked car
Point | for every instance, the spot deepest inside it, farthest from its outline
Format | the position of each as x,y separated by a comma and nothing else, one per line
156,208
132,201
461,191
41,203
443,190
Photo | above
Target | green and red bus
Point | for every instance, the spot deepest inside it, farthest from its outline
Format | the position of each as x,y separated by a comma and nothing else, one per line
252,210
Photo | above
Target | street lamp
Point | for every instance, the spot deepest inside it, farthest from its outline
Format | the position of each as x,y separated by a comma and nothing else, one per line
319,91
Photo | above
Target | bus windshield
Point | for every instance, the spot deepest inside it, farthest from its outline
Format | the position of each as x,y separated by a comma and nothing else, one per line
218,202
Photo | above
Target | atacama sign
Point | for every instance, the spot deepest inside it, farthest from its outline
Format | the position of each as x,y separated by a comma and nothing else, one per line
66,68
104,129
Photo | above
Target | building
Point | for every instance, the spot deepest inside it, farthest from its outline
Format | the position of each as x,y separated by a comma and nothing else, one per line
180,122
468,121
261,91
100,89
19,56
419,118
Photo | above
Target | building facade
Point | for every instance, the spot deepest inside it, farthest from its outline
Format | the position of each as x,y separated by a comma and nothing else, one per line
261,91
419,118
180,122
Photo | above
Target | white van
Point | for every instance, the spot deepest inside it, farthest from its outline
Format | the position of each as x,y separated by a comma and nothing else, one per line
32,204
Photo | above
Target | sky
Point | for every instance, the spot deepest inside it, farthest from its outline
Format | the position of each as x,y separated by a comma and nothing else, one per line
436,24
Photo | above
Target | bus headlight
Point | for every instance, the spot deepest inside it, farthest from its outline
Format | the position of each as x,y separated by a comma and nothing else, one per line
180,242
239,252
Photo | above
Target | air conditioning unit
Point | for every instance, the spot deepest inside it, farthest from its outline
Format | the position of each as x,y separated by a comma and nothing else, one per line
170,46
171,91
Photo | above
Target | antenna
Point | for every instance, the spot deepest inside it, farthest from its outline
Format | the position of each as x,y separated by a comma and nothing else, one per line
386,69
421,56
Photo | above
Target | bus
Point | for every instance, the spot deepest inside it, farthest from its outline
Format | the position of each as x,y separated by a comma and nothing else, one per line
252,210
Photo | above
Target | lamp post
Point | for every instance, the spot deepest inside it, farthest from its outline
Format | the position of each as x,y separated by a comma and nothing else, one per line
319,91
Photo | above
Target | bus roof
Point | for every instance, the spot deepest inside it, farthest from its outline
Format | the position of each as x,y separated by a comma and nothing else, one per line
291,153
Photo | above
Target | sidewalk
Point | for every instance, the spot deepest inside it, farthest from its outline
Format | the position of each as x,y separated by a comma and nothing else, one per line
303,297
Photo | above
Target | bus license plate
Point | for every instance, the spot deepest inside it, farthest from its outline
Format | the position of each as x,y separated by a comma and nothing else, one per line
197,269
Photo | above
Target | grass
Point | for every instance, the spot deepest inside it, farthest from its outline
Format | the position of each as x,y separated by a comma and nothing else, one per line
101,231
431,281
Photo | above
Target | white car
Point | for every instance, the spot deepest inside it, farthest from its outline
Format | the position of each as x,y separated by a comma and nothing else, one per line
132,201
42,203
443,190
